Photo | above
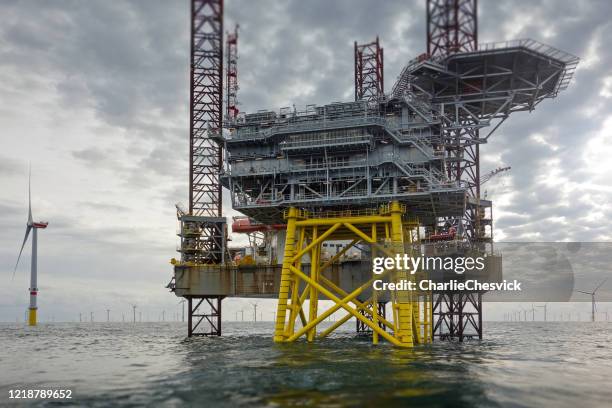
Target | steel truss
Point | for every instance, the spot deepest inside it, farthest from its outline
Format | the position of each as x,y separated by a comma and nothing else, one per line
206,108
411,323
457,315
204,315
231,92
203,230
369,71
339,162
361,327
203,239
473,91
452,26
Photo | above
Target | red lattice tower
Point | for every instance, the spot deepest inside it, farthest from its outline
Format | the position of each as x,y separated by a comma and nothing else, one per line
206,107
452,26
369,80
232,76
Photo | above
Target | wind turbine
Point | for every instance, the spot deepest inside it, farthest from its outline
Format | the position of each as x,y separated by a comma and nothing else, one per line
254,311
593,298
33,226
545,307
182,302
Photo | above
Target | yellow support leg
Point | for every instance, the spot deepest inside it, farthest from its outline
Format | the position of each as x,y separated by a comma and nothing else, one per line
403,305
286,278
314,295
32,317
374,293
296,302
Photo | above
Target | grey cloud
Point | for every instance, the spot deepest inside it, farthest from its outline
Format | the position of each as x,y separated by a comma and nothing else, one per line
91,155
107,207
127,62
10,166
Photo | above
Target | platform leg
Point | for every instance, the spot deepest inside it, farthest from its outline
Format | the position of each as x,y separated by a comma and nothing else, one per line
286,278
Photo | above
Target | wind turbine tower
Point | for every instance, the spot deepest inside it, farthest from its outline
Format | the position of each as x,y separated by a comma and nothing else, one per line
34,227
254,311
592,294
182,302
545,308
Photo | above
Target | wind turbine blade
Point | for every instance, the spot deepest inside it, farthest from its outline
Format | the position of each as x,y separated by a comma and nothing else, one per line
602,282
30,196
581,291
21,250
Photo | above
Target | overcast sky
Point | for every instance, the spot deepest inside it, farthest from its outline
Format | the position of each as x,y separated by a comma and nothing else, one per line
95,95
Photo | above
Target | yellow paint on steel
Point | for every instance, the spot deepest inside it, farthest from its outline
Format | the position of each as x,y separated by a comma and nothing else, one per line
296,303
286,277
331,221
339,255
314,294
32,317
405,329
339,303
411,314
374,292
315,242
359,305
330,329
359,233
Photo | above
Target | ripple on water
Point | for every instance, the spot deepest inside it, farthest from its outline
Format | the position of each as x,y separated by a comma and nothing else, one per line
517,365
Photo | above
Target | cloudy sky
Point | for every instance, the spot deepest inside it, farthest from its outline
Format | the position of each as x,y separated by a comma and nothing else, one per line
95,95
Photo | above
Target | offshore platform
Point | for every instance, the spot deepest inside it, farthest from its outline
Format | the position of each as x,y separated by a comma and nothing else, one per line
327,188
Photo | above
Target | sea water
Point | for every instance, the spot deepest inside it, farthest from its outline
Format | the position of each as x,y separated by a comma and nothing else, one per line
518,364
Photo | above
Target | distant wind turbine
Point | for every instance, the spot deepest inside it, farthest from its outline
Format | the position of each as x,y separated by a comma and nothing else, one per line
31,225
545,307
254,304
593,306
182,302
